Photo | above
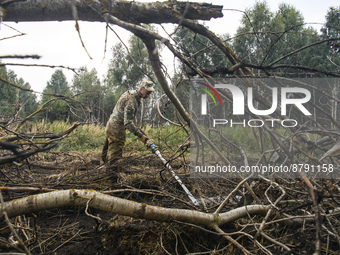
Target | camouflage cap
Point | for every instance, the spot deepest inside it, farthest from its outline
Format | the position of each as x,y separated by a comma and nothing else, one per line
148,85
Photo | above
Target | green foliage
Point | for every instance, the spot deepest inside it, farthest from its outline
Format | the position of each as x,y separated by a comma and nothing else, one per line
166,139
108,104
198,49
28,100
92,137
57,86
332,26
265,36
332,30
128,68
84,138
87,87
13,99
8,93
253,141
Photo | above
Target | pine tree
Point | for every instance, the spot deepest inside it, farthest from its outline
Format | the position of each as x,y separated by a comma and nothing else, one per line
57,87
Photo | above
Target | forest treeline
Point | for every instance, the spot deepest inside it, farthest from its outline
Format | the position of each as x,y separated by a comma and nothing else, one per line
263,38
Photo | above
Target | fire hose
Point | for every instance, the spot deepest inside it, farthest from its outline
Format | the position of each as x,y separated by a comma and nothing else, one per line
150,144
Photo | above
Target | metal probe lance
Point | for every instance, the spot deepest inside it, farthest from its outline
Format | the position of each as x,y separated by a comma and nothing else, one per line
150,144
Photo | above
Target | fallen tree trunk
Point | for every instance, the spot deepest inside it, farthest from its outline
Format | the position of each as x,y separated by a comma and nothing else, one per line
131,11
67,198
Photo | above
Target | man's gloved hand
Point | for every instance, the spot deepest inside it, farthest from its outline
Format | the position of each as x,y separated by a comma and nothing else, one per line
144,138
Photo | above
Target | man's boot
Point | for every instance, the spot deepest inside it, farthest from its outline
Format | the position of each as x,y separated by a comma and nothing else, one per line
104,151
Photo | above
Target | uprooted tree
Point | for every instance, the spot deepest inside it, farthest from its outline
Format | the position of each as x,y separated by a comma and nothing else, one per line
313,141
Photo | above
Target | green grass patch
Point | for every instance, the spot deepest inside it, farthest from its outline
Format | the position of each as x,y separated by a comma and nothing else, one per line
89,137
166,139
85,137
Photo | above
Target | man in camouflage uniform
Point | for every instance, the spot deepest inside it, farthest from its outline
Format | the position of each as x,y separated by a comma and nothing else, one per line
123,117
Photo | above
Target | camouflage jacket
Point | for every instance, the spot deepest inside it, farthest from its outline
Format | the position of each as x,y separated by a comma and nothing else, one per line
123,115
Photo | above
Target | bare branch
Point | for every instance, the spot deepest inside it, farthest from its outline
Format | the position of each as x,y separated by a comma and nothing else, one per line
21,56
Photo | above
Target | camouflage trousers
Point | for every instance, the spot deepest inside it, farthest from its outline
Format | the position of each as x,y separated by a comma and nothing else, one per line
115,149
116,141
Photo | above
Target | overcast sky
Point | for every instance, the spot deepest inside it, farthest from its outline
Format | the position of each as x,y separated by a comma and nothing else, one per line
58,42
